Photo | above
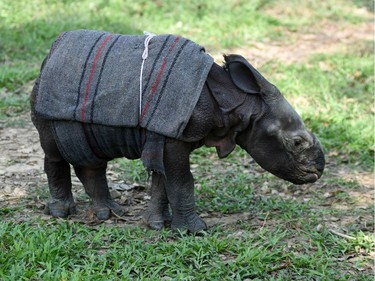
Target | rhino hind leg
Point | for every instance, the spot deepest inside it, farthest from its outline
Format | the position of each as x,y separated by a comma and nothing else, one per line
61,202
95,182
157,214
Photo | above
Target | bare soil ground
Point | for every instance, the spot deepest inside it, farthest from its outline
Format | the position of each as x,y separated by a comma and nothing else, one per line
23,184
327,38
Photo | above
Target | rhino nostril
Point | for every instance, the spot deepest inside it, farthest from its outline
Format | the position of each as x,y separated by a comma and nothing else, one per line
320,167
320,164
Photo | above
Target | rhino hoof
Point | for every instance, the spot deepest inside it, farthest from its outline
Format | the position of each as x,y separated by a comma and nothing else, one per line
156,225
60,209
194,225
103,210
157,218
103,213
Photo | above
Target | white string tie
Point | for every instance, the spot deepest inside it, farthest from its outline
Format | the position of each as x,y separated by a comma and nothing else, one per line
144,57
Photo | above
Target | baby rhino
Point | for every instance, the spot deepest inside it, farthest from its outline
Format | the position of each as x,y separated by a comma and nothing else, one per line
101,96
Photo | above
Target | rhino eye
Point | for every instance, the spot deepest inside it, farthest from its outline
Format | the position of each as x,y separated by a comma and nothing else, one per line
298,142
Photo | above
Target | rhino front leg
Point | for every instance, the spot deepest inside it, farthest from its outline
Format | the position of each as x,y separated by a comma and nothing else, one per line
157,214
95,182
180,187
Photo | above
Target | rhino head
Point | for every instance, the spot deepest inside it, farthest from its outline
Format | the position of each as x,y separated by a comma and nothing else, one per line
276,136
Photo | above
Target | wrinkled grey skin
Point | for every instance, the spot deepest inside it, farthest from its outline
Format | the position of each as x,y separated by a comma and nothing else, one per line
237,107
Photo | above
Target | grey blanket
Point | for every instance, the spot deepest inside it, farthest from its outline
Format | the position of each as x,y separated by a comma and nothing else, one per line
94,77
83,144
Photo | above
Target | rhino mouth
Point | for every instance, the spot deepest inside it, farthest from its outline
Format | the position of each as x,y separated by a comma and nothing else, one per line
310,176
300,177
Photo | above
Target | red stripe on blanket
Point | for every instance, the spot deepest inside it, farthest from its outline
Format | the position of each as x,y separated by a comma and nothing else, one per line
92,75
158,78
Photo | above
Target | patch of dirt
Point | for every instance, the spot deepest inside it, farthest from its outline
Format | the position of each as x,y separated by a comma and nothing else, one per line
328,38
20,161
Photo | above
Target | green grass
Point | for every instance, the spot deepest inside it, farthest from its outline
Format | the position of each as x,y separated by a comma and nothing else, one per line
13,105
69,251
285,235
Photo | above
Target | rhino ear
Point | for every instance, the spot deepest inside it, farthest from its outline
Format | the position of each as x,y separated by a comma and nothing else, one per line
248,79
243,75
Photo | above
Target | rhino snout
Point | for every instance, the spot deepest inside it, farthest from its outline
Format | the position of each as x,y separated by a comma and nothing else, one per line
313,172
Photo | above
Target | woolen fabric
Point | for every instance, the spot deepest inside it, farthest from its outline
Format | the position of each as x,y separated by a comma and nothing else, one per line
83,144
93,77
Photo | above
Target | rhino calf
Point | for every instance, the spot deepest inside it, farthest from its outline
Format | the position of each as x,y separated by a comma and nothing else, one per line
101,96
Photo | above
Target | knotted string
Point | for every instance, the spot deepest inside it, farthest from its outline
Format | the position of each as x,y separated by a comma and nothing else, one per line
144,57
